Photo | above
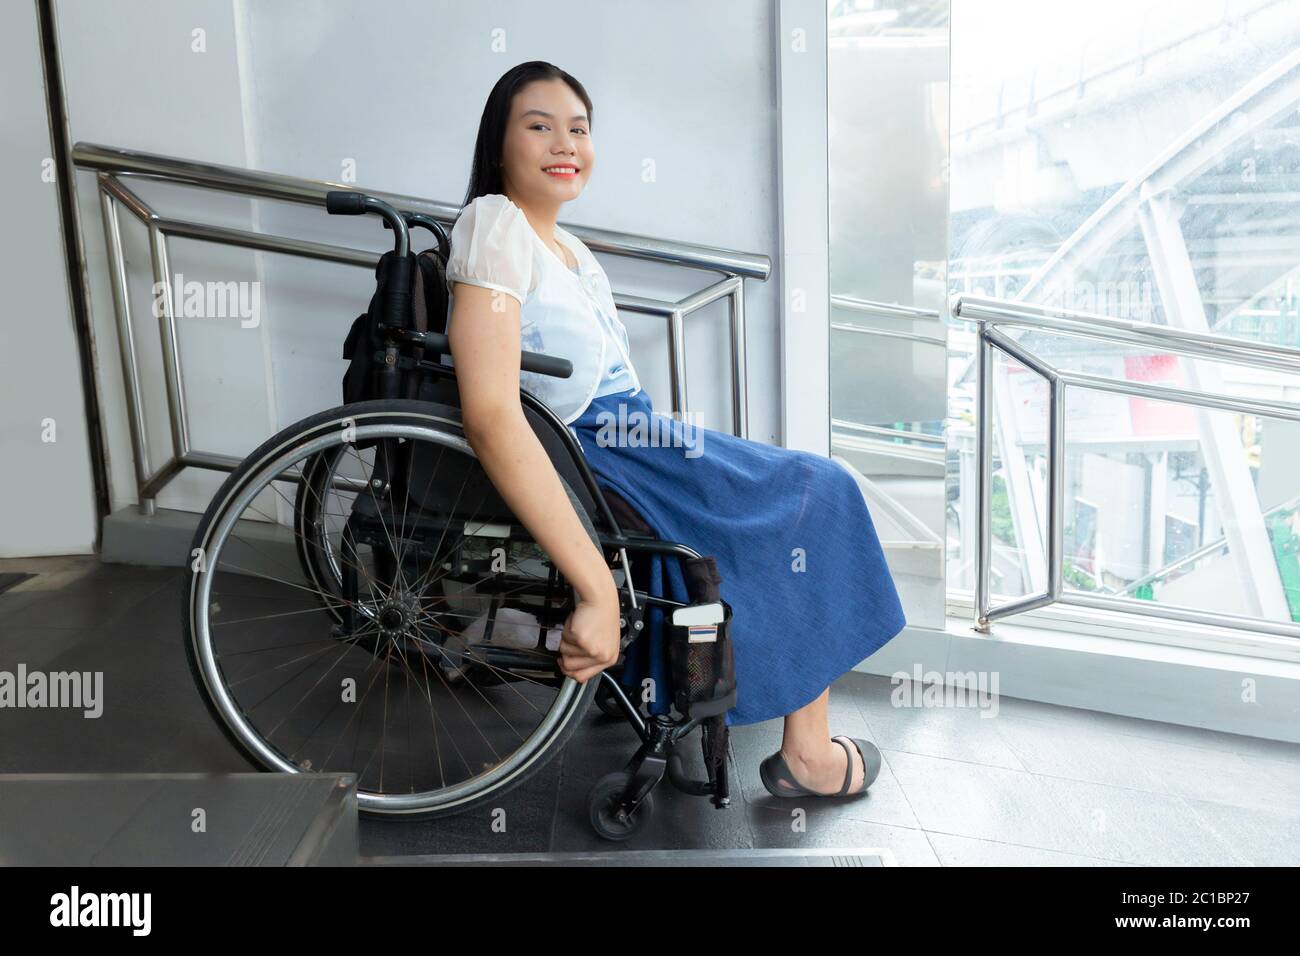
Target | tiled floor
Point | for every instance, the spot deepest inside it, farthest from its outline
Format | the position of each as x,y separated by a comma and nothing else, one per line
1031,785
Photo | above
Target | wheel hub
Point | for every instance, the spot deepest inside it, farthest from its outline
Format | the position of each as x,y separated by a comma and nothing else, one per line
397,616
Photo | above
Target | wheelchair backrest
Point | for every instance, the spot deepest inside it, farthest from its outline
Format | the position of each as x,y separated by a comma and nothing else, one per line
425,273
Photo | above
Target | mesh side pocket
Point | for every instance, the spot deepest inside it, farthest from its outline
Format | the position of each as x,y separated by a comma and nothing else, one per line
703,667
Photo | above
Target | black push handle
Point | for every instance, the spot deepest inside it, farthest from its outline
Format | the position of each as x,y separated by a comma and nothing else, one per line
341,202
420,220
414,219
346,202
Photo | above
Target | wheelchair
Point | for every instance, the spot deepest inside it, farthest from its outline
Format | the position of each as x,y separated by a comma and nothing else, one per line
361,599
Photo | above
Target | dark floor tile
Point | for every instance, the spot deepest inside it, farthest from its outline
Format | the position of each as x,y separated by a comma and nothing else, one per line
97,598
36,646
139,675
201,747
51,740
518,822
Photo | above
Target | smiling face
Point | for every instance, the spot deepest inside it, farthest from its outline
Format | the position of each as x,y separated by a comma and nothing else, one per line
547,156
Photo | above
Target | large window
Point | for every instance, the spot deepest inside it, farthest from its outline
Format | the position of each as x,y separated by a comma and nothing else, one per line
888,152
1140,160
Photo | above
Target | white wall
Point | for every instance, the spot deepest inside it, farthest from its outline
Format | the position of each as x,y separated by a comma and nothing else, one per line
133,78
47,503
299,87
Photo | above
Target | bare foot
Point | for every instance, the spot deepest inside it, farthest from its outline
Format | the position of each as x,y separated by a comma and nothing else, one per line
824,772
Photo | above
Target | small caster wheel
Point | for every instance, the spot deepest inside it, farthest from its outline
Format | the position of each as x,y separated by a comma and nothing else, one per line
603,799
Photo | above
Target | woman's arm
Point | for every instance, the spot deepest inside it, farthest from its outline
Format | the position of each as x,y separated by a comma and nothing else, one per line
485,344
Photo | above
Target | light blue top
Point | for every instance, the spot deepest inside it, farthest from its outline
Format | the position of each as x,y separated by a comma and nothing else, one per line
617,377
494,246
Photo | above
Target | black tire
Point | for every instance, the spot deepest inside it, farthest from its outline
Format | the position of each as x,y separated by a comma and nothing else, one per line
379,412
602,800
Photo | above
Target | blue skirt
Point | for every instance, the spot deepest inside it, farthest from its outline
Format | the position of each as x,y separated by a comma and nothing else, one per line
800,561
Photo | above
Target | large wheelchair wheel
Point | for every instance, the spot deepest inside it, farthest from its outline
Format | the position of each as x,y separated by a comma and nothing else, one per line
396,629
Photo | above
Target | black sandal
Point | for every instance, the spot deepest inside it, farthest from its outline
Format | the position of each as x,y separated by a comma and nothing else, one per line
780,781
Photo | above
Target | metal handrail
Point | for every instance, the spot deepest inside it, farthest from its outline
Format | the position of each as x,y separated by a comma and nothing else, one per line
114,165
888,310
1218,544
1209,345
988,314
888,433
930,340
249,182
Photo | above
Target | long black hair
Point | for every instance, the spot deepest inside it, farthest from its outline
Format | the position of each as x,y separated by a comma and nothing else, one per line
485,173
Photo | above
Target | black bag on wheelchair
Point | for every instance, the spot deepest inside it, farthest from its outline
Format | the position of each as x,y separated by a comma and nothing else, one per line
411,296
702,663
422,278
699,647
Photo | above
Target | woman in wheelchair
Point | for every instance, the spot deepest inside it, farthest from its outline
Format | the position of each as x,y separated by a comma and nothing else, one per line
418,586
793,540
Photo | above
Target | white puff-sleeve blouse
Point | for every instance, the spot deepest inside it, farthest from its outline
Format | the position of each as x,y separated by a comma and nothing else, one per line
565,313
492,246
